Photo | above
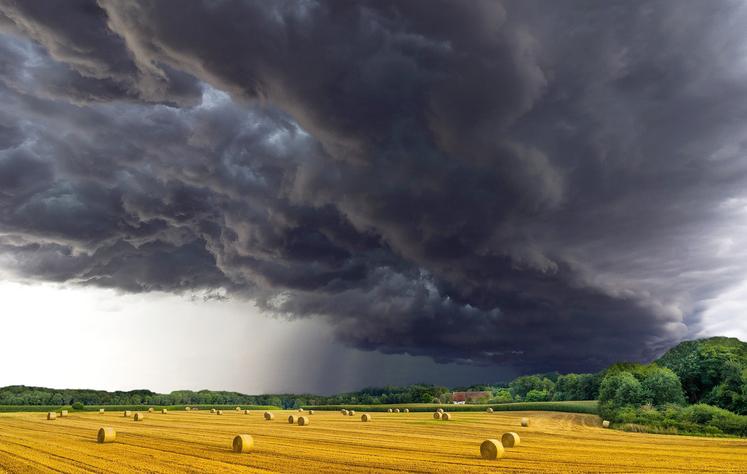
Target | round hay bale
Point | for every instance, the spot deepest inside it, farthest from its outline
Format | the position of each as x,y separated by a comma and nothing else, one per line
525,422
292,420
139,416
396,410
187,408
344,413
195,409
51,415
164,411
127,413
101,410
269,416
300,410
246,412
437,416
311,412
406,410
440,410
491,449
238,408
365,417
303,421
343,410
489,410
242,443
106,435
63,413
605,424
445,416
150,410
510,440
351,413
219,412
213,410
389,410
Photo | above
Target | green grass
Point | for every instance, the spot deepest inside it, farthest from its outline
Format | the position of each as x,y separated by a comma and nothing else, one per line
584,406
46,408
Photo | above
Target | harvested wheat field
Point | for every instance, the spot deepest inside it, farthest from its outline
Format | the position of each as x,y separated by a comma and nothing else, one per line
198,442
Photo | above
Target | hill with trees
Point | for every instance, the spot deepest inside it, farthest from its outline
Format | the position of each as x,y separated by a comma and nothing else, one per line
695,387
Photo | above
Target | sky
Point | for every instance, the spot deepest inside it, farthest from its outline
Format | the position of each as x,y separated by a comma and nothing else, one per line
317,196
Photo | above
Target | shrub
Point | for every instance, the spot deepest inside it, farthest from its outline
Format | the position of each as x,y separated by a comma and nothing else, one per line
78,406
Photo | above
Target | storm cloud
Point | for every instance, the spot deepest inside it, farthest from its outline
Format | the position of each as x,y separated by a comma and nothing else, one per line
531,184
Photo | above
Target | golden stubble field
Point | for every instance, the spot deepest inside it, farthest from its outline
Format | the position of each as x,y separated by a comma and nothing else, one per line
413,442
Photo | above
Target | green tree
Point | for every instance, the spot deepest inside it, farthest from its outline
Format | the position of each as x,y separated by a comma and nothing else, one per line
521,386
661,386
619,390
537,396
502,395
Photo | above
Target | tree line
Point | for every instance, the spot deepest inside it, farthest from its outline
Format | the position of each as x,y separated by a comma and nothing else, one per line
697,386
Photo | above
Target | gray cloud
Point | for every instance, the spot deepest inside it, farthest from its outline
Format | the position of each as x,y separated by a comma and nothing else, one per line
539,186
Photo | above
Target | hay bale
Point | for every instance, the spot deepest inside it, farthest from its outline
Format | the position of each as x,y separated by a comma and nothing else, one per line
63,413
300,410
238,408
406,410
51,415
106,435
242,443
489,410
101,410
213,410
491,449
246,412
510,440
396,410
351,413
219,412
437,416
311,412
150,410
303,421
164,411
269,416
605,424
127,413
389,410
139,416
344,413
365,417
187,408
525,422
292,420
440,410
445,416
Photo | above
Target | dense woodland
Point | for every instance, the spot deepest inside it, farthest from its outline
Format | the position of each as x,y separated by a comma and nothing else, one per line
697,386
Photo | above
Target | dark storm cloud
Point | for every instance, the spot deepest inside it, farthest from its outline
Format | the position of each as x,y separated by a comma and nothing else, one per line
480,182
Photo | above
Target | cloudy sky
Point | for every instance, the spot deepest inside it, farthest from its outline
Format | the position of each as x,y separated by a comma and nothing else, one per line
319,196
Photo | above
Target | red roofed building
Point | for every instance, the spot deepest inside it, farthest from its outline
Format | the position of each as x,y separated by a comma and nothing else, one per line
460,398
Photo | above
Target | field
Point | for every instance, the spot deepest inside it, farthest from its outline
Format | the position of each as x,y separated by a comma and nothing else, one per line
414,442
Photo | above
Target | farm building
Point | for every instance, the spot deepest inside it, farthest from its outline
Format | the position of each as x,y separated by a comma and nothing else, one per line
460,398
